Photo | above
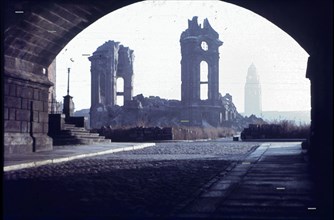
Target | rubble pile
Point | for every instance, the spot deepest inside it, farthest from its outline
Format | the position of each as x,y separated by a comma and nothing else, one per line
154,111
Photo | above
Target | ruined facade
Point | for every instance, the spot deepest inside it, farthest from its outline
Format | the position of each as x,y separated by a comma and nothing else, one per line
253,98
108,63
200,45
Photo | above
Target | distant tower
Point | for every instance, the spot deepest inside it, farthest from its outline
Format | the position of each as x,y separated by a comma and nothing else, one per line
253,100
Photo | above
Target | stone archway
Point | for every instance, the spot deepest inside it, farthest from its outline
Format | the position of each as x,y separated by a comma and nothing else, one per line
35,31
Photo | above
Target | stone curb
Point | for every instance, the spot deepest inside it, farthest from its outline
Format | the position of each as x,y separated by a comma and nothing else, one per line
69,158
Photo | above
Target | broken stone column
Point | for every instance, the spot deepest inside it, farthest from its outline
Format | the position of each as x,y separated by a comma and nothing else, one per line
110,61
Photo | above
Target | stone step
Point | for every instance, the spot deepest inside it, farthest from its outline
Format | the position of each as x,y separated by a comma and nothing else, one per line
68,125
74,129
66,142
87,135
90,140
77,135
79,141
83,136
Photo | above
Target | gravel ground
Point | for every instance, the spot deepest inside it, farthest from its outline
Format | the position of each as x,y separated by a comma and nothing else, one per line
142,183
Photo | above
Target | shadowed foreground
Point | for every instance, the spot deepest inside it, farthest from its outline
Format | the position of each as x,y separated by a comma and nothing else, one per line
97,189
214,179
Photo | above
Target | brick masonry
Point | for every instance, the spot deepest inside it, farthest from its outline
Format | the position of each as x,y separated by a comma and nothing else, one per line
25,116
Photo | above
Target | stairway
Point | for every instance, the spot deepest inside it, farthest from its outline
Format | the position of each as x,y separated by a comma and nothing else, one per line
71,135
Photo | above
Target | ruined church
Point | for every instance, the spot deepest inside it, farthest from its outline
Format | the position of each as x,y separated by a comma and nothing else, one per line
201,103
198,45
109,62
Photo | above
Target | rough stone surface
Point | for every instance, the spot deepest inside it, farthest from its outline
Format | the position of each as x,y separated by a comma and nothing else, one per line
25,116
193,53
17,142
201,45
150,182
109,62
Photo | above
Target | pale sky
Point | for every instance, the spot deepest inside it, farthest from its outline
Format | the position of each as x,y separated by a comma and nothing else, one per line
153,29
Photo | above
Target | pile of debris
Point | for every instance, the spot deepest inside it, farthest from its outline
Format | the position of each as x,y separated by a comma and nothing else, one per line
154,111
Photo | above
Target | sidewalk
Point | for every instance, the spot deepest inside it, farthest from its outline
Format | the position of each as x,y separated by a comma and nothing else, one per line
66,153
273,182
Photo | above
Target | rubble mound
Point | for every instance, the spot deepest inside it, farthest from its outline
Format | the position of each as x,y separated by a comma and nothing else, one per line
154,111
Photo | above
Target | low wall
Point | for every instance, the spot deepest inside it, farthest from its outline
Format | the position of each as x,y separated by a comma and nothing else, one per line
139,134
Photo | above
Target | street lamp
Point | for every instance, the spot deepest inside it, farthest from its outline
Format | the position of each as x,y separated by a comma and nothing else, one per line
68,81
68,102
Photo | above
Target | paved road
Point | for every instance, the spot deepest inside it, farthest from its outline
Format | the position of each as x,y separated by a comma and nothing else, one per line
201,179
149,182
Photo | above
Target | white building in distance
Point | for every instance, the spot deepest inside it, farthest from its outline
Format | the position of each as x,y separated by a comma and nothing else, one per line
253,99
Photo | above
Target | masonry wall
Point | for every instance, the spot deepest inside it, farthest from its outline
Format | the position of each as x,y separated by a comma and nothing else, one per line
25,116
51,73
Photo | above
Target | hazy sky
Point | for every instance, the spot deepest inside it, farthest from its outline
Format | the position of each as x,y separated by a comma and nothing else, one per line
153,28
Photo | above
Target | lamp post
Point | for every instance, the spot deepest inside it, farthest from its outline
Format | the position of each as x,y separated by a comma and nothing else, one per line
68,81
68,102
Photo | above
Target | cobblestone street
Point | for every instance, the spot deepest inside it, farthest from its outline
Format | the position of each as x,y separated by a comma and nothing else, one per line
151,182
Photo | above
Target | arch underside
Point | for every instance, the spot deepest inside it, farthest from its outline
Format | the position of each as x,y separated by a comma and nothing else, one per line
39,33
36,31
